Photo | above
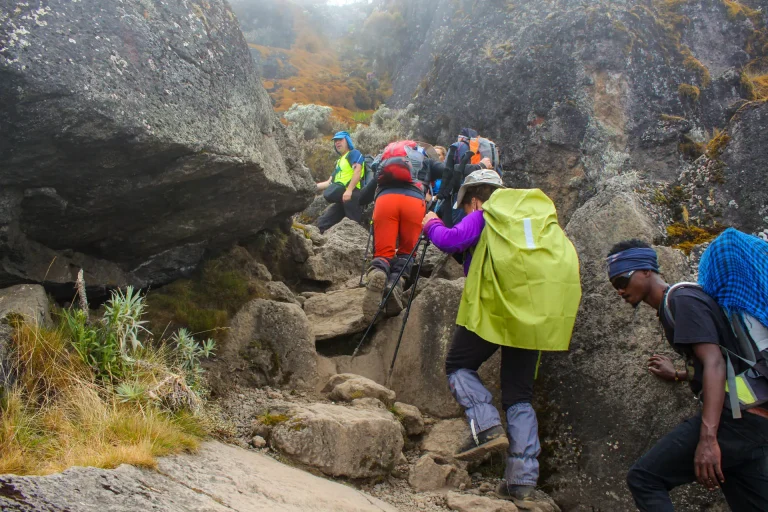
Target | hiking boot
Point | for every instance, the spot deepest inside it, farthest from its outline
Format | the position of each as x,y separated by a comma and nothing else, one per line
397,298
515,492
488,441
376,281
526,497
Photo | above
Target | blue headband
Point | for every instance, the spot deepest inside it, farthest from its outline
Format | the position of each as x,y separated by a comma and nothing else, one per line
637,258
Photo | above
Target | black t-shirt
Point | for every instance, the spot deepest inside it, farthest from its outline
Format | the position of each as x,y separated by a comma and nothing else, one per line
698,319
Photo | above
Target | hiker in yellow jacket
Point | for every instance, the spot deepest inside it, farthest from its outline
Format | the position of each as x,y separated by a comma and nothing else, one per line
521,294
342,189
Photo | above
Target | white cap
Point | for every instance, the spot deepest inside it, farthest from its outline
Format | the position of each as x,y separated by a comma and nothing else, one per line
479,177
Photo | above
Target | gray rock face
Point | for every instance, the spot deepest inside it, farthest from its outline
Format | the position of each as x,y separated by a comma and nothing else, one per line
433,472
738,182
221,478
340,258
136,136
590,409
337,313
346,387
27,300
467,503
340,441
573,91
268,343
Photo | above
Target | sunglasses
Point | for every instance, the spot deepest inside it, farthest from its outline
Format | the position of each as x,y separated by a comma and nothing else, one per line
621,281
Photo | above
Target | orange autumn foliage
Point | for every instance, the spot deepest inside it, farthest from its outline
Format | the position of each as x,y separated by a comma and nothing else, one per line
322,78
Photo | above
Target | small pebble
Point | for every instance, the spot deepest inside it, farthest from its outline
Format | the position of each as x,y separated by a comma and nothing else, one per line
258,442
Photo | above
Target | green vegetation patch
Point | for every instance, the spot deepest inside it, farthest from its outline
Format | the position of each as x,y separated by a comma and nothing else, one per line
204,303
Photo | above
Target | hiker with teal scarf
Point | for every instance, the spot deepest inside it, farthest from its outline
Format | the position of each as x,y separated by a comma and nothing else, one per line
342,189
521,295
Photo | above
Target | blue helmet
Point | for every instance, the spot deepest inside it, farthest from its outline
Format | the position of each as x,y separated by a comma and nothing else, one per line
344,135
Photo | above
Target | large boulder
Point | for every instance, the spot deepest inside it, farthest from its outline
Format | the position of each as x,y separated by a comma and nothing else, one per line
340,258
336,313
418,376
270,343
220,478
136,136
355,442
599,408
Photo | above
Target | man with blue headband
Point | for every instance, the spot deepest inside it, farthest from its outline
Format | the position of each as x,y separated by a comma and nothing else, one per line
342,189
714,447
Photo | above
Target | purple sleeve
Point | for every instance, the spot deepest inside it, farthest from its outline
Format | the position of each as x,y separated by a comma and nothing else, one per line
459,238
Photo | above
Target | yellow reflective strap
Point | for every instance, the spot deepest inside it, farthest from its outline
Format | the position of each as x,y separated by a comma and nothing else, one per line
538,361
743,391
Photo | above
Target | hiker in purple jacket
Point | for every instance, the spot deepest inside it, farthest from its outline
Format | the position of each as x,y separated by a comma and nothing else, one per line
468,351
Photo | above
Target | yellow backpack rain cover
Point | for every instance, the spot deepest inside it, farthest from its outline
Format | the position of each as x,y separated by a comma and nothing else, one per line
523,287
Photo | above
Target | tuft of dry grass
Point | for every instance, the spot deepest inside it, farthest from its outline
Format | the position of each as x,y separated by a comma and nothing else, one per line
689,91
755,84
57,413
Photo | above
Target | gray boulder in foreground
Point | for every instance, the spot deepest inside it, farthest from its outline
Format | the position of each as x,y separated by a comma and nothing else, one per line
219,478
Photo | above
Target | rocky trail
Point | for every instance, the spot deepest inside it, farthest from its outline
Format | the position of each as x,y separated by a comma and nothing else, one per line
219,478
141,145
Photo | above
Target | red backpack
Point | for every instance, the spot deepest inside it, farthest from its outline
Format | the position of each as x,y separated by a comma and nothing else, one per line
402,162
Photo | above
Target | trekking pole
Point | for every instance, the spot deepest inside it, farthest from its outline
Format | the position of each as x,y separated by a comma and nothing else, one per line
365,257
383,302
408,309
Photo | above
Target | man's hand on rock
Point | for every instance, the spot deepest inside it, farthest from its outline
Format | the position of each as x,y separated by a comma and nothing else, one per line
662,367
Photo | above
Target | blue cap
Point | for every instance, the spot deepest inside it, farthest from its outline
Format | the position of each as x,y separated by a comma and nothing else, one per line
344,135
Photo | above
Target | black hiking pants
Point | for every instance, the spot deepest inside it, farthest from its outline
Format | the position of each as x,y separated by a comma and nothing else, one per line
518,366
744,451
337,211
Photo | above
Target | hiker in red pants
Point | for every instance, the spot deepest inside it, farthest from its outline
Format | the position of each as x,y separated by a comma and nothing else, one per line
400,206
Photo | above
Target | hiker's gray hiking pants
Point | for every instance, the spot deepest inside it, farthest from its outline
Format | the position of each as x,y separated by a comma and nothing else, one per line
518,368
